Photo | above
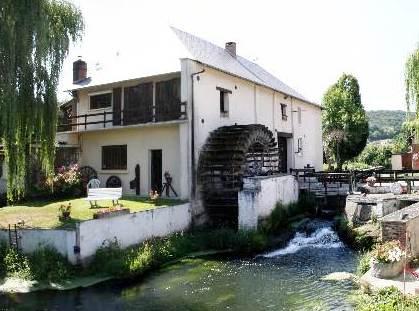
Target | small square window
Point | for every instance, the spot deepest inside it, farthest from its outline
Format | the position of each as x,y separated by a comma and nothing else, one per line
100,101
299,144
114,157
224,101
284,112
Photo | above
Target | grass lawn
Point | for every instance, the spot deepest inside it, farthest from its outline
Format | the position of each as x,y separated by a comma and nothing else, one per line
44,214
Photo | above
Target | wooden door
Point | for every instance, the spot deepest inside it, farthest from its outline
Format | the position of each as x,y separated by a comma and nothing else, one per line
282,155
156,170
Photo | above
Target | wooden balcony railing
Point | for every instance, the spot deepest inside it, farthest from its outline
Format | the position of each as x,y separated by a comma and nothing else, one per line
122,117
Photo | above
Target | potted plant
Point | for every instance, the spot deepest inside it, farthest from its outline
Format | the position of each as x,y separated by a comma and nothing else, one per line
65,211
387,260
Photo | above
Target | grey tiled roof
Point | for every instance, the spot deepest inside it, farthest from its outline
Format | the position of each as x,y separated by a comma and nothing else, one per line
217,57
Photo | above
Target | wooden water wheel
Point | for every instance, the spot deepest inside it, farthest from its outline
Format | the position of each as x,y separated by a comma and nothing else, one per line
230,154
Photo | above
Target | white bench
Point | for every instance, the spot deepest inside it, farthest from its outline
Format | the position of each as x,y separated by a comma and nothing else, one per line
97,194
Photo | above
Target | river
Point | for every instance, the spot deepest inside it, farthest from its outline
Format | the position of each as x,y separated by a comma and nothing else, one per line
290,278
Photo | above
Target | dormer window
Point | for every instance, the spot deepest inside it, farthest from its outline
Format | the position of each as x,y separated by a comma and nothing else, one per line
224,101
284,112
100,101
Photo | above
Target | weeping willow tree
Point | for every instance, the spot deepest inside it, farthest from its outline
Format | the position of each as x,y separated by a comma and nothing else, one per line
35,36
412,87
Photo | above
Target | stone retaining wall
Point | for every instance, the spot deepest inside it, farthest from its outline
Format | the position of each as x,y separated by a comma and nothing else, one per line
396,225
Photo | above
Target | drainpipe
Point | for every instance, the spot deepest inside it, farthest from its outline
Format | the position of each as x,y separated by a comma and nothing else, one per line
293,135
193,190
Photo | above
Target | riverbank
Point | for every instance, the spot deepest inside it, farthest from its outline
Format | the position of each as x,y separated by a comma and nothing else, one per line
312,272
46,269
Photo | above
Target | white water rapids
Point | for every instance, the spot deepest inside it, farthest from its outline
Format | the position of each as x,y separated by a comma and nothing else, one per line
323,237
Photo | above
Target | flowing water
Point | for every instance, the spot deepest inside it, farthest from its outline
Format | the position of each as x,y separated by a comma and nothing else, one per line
290,278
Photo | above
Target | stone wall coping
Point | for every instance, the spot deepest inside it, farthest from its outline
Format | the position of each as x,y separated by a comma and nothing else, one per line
410,212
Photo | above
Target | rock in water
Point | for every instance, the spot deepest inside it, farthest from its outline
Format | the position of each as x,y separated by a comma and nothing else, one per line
339,276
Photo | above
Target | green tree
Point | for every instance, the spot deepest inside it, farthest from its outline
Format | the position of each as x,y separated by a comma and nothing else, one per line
345,124
412,86
34,40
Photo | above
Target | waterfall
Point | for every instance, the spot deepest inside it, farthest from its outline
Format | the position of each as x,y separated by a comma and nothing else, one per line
323,237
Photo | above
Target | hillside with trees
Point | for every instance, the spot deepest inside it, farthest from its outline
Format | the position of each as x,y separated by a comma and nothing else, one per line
385,124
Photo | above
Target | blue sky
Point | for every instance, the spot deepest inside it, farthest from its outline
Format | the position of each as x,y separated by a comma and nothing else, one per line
307,44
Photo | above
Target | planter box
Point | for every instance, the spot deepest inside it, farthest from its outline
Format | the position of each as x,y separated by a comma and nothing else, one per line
386,270
108,214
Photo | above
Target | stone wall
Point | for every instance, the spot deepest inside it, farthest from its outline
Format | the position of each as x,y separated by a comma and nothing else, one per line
260,195
402,223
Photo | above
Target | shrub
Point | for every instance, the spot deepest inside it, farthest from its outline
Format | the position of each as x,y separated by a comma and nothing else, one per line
47,264
347,233
66,181
363,263
3,252
17,265
387,299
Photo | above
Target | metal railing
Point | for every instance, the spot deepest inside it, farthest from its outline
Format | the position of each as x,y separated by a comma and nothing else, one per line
122,117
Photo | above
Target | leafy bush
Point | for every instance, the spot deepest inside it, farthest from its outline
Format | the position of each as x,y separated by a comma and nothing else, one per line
67,180
363,263
355,239
17,265
47,264
3,252
280,215
110,259
387,299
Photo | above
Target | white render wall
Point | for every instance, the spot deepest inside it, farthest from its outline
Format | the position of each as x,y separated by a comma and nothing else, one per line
31,239
260,195
140,141
134,228
250,103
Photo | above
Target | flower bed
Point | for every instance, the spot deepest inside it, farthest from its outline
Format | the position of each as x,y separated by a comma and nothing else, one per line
111,212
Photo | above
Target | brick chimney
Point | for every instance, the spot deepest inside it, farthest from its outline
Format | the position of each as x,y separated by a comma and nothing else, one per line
230,47
79,70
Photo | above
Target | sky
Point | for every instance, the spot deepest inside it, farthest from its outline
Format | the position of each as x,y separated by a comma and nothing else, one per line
307,44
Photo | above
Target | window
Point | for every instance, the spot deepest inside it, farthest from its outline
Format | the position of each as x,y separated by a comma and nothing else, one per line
100,101
299,144
299,115
114,157
284,112
224,101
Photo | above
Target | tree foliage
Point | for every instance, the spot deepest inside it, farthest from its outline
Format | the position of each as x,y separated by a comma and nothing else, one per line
345,124
386,124
34,40
412,81
412,87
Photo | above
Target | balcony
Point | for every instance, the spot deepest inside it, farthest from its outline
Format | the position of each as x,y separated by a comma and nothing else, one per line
120,118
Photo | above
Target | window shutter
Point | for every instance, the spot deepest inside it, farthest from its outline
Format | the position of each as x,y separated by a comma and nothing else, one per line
117,106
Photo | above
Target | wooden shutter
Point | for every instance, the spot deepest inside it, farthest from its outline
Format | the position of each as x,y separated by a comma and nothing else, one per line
138,104
168,100
117,106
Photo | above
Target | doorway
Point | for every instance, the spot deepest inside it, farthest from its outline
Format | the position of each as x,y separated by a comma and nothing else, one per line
156,170
282,154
